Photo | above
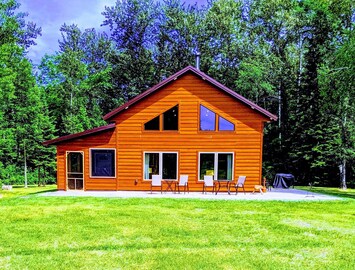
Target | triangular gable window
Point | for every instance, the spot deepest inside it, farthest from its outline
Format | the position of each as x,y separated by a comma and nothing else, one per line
224,124
153,124
169,120
209,121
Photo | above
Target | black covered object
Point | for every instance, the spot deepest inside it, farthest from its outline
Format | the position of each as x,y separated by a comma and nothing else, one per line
283,180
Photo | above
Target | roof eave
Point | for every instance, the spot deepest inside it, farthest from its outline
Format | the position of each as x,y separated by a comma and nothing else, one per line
204,76
79,135
125,106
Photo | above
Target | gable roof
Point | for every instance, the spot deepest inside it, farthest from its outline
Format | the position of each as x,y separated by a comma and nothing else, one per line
79,135
205,77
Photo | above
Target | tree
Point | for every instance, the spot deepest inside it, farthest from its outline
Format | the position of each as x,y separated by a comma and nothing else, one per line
24,118
13,27
77,80
132,26
323,25
338,92
178,38
295,58
24,114
225,45
271,28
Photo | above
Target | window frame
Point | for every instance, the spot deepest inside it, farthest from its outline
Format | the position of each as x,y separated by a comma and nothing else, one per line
200,119
159,124
91,162
215,165
161,121
161,163
216,122
66,168
224,130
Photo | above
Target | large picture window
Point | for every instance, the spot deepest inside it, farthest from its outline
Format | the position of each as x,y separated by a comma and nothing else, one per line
220,165
102,162
164,164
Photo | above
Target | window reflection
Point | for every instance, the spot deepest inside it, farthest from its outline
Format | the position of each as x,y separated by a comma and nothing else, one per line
207,119
225,125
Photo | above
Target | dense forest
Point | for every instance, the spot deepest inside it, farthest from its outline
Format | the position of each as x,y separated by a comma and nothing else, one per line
295,58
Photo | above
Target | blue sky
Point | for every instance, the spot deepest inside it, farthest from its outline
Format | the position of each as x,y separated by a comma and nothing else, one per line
51,14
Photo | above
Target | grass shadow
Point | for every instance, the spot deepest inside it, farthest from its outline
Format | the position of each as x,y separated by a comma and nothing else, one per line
21,191
348,193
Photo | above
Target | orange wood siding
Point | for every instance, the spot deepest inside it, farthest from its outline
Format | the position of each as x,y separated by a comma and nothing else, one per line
131,141
106,139
188,92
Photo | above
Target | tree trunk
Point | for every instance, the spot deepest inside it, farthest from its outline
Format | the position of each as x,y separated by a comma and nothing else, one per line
39,176
342,169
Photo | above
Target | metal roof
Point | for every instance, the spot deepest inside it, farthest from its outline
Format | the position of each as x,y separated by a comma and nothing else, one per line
199,73
155,88
79,135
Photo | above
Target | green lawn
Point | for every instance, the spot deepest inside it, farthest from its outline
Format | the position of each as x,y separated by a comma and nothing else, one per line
348,193
112,233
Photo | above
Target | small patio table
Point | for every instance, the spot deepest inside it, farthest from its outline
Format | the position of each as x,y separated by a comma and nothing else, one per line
169,184
225,183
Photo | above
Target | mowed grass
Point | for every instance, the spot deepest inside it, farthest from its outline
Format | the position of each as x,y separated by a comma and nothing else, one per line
111,233
347,193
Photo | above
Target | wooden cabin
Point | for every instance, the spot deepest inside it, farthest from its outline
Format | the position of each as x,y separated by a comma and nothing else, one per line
188,124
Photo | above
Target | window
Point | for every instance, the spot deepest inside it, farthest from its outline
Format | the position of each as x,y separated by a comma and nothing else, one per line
169,165
220,165
224,124
164,164
151,165
153,124
170,120
224,166
206,164
209,121
103,163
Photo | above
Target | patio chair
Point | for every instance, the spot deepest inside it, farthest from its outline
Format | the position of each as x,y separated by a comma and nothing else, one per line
208,182
183,182
240,184
156,182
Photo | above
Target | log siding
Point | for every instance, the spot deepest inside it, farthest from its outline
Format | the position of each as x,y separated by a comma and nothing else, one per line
131,141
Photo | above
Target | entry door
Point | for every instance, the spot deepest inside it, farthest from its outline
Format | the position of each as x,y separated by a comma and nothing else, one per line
75,170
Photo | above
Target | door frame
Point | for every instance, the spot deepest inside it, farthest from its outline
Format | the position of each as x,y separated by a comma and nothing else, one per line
66,169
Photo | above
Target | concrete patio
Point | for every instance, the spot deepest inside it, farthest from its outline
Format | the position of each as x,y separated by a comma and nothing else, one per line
274,194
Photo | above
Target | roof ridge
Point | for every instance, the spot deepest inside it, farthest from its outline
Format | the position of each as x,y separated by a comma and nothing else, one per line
204,76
